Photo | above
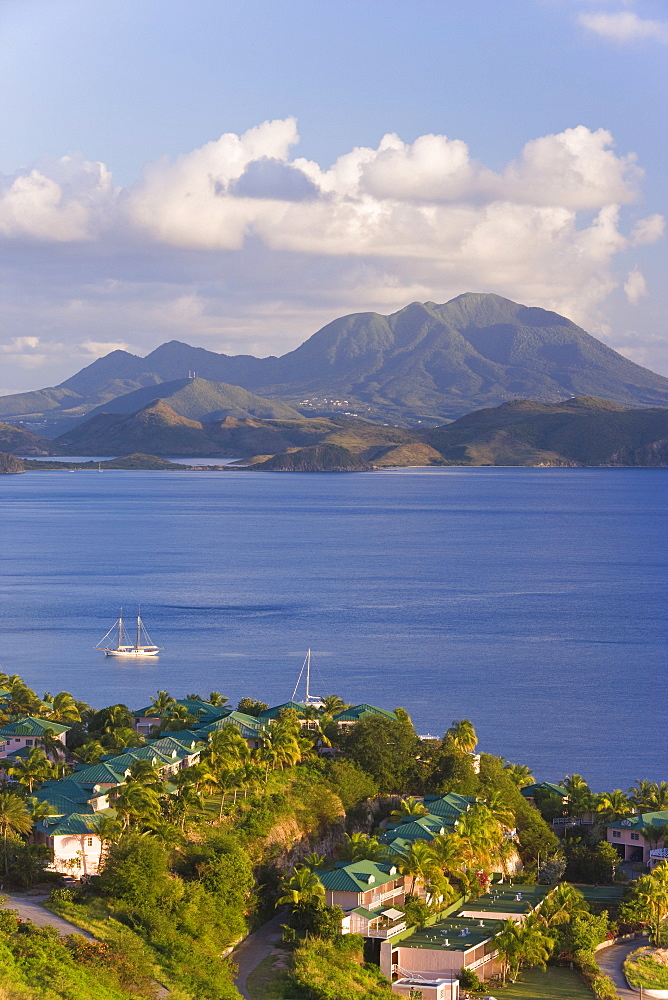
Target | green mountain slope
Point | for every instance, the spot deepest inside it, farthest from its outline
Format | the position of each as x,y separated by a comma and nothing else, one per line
18,441
319,458
155,430
426,362
581,431
200,399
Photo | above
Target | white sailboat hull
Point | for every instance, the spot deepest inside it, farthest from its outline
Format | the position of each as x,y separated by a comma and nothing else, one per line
146,651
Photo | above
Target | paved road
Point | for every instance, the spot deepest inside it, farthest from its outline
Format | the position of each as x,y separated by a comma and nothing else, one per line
611,961
254,949
29,908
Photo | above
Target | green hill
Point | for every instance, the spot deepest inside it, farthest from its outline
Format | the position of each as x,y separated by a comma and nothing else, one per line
579,431
426,363
16,440
318,458
200,399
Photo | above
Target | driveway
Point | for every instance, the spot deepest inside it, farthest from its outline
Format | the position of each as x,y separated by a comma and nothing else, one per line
254,949
612,960
29,908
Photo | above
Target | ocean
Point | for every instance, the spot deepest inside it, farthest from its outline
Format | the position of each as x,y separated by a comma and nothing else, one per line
532,601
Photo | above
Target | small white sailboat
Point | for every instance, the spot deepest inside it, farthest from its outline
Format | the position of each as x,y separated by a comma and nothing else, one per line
142,646
310,699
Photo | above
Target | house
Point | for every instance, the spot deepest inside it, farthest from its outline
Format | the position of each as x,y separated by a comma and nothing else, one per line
29,732
145,720
443,814
437,954
432,988
346,719
370,894
77,848
543,788
626,835
247,725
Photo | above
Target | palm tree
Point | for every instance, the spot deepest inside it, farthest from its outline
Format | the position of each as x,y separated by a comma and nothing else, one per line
185,800
162,703
145,773
53,747
561,905
573,781
361,847
108,829
21,700
519,774
332,704
14,818
649,900
658,799
418,862
499,809
302,891
36,767
654,833
462,735
613,805
410,807
641,794
90,752
177,717
64,708
133,802
314,860
39,810
217,699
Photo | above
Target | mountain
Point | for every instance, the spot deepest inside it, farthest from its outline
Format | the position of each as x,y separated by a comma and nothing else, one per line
199,399
426,363
582,431
10,464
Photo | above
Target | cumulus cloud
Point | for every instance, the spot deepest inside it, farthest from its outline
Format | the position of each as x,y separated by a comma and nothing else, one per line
624,27
61,201
243,247
635,286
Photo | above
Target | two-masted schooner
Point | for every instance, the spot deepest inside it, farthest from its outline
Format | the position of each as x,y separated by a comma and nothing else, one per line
124,647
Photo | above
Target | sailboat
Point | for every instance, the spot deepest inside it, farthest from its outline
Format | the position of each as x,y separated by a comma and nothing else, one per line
142,646
310,699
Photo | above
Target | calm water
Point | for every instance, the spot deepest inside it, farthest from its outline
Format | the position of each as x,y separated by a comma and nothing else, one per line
529,600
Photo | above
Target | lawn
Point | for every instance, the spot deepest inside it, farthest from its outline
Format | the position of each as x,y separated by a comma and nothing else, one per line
555,984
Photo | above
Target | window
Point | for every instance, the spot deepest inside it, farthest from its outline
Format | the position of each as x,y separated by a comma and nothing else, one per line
89,841
29,743
616,833
635,836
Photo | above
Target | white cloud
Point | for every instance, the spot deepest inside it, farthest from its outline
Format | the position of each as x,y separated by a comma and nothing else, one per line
624,27
60,202
635,286
243,247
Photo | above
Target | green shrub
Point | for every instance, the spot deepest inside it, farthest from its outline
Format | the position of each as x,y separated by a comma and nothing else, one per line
604,988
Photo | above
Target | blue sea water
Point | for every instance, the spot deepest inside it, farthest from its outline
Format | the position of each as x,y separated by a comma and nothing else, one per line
532,601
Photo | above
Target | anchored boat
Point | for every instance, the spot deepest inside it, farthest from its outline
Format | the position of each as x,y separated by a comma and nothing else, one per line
142,646
311,699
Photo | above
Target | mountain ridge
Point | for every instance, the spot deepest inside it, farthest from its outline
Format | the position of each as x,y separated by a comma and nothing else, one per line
425,363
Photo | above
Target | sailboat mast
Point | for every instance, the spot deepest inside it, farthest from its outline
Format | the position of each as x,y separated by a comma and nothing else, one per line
308,675
138,629
120,629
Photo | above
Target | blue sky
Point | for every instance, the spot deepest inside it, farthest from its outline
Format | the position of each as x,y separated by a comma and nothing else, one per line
524,154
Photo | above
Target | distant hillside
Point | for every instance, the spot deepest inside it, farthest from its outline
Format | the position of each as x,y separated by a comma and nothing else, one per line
18,441
319,458
425,363
155,430
199,399
582,431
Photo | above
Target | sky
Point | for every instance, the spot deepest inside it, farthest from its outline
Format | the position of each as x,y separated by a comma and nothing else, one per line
235,175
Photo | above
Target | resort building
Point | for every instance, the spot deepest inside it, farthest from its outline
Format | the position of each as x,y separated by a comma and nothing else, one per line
443,814
145,720
77,848
437,954
632,839
28,732
346,719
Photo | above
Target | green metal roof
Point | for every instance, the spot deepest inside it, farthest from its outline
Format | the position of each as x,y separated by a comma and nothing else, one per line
184,736
450,805
100,774
61,826
544,786
200,709
28,726
356,876
249,727
425,828
502,898
272,713
67,786
641,820
356,712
